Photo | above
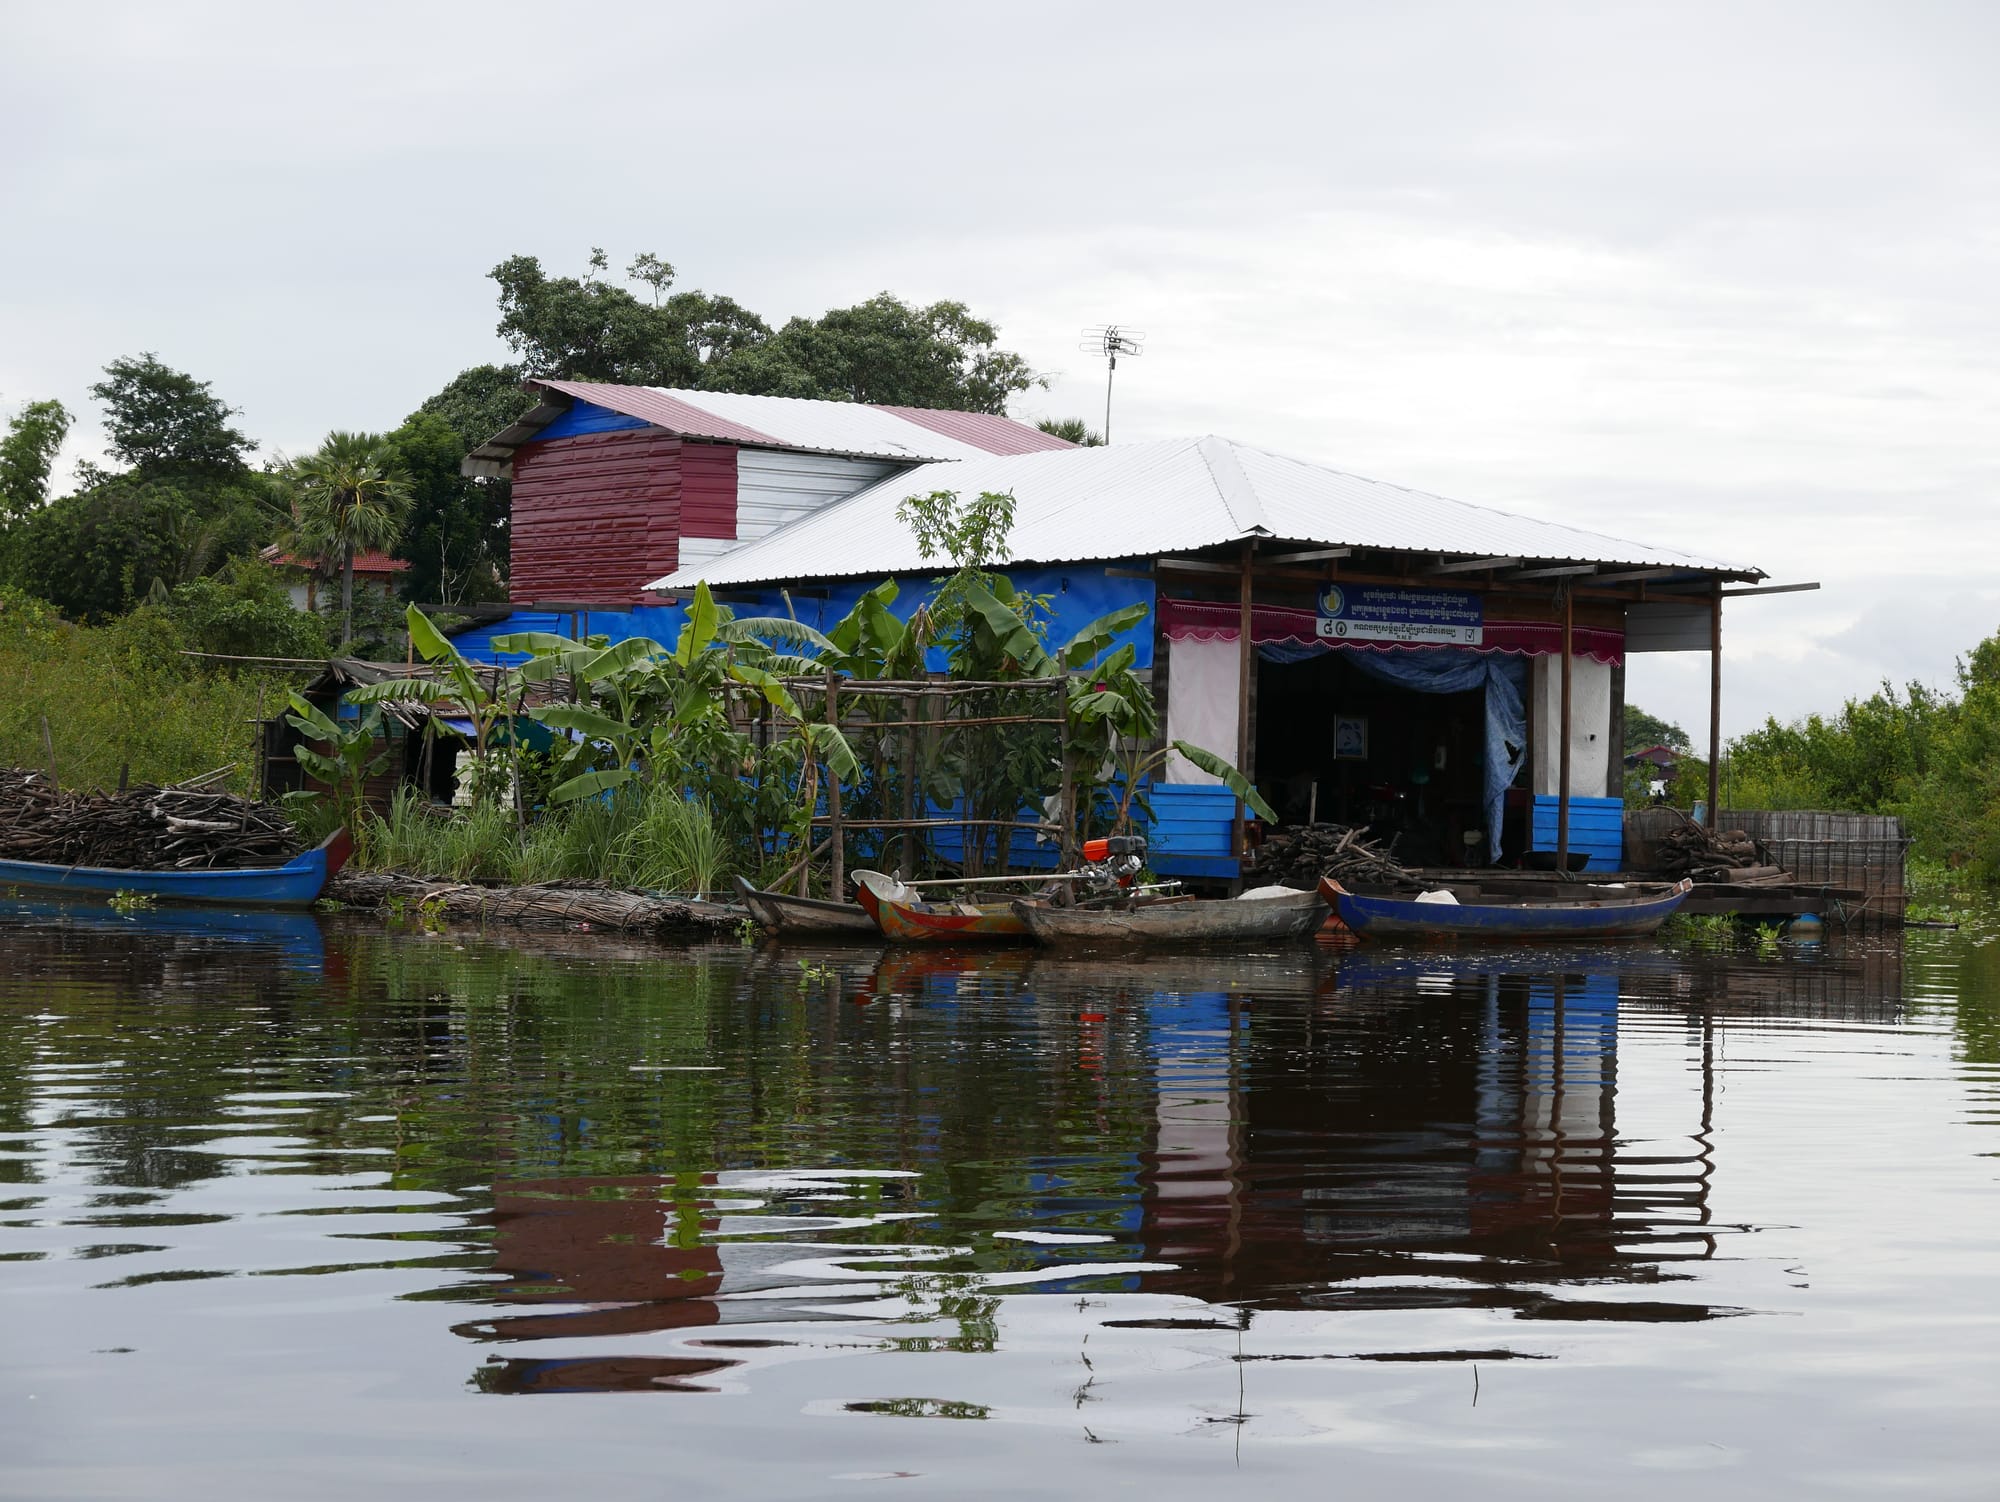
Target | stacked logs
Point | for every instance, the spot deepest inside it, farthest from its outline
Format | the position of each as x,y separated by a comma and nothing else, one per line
1298,856
1689,849
142,829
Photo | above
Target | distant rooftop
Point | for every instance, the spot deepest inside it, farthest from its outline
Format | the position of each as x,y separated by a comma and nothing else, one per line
853,429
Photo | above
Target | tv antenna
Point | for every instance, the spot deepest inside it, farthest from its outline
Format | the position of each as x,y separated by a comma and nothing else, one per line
1112,340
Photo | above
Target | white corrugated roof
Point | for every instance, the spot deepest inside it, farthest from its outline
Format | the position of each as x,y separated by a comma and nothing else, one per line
1147,499
826,427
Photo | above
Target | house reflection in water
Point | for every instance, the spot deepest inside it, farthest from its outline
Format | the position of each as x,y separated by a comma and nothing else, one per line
612,1257
1437,1137
1374,1131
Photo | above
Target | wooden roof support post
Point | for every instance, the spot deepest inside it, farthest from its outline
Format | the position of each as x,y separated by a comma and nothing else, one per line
1714,706
1562,751
1246,658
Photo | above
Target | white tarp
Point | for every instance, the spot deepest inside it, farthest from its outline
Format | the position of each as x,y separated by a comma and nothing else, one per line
1202,678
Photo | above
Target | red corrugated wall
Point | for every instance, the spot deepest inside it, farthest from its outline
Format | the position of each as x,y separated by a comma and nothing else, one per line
708,490
599,515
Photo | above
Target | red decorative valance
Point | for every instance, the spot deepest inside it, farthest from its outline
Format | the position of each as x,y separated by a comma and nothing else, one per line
1213,620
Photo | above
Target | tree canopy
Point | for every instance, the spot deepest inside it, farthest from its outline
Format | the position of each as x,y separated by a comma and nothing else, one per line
882,350
163,421
1643,731
28,454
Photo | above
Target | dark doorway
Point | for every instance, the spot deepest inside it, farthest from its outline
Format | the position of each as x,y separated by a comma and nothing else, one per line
1335,742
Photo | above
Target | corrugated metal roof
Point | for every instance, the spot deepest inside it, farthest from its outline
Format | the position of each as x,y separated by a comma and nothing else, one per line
985,431
1148,499
855,429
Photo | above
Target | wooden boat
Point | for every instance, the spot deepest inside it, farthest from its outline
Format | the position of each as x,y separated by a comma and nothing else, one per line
1636,911
297,883
1243,920
905,918
806,915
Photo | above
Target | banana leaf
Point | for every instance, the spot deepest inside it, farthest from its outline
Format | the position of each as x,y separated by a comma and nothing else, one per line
1234,780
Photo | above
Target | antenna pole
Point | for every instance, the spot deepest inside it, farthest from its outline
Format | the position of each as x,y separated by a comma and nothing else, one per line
1109,374
1111,341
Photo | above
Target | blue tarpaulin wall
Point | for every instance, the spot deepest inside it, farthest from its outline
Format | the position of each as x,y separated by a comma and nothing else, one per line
1078,595
1596,829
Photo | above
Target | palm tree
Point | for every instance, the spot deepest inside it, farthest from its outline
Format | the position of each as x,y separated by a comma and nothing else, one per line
351,496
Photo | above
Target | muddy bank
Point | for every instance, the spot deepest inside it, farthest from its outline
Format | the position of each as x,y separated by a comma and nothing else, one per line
555,905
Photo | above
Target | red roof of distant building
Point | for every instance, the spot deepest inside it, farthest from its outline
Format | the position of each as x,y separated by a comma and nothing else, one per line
364,563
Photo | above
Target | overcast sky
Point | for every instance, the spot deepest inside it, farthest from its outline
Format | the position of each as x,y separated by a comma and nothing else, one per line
1719,277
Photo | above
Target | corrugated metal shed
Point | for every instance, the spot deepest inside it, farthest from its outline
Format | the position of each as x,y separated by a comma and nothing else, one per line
853,429
1148,499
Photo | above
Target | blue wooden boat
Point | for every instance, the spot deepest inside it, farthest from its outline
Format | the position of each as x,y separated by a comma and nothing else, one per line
297,883
1632,913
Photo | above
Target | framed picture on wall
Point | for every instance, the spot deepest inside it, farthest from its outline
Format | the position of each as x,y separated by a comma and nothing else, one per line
1350,737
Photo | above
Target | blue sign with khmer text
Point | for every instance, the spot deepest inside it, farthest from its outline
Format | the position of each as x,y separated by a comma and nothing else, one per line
1392,612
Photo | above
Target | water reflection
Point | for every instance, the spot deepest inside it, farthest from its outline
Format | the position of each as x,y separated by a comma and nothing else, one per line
589,1167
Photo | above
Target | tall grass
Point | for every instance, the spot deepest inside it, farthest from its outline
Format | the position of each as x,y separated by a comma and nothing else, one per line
658,839
455,845
674,844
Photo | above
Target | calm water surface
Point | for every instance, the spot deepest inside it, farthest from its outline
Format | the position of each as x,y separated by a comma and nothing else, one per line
304,1208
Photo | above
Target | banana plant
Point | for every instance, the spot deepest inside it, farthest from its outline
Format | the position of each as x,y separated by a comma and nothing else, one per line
352,759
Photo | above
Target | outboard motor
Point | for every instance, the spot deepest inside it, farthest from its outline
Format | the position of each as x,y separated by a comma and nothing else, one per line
1115,860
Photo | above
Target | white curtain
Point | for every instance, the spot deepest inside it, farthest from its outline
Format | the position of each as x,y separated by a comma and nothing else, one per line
1202,678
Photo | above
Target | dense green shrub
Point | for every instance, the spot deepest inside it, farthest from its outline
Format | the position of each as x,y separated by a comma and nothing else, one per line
121,695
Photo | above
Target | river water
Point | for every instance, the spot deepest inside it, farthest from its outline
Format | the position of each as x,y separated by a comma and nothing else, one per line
295,1207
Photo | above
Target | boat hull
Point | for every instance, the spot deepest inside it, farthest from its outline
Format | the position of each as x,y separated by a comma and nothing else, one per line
806,915
1257,920
297,883
1537,922
903,922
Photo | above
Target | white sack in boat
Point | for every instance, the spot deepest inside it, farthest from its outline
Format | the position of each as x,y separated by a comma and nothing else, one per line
1442,896
1267,892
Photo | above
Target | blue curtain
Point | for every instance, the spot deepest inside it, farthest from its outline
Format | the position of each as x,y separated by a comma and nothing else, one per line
1451,670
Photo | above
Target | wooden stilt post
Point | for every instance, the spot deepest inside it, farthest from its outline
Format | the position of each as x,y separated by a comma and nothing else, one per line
1246,661
1066,799
1562,748
906,862
1715,707
836,886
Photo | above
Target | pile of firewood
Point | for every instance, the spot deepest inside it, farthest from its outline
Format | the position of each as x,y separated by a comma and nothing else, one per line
187,827
1298,856
1690,849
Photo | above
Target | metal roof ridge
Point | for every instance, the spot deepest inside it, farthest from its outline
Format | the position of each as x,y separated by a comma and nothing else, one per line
1239,496
1716,564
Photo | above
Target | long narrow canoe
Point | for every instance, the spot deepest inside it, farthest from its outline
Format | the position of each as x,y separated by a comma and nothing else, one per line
1243,920
297,883
806,915
904,918
1638,912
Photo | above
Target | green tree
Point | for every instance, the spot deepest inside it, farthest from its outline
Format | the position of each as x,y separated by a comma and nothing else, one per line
244,610
450,538
882,350
351,495
1072,430
887,351
1643,731
163,421
28,454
